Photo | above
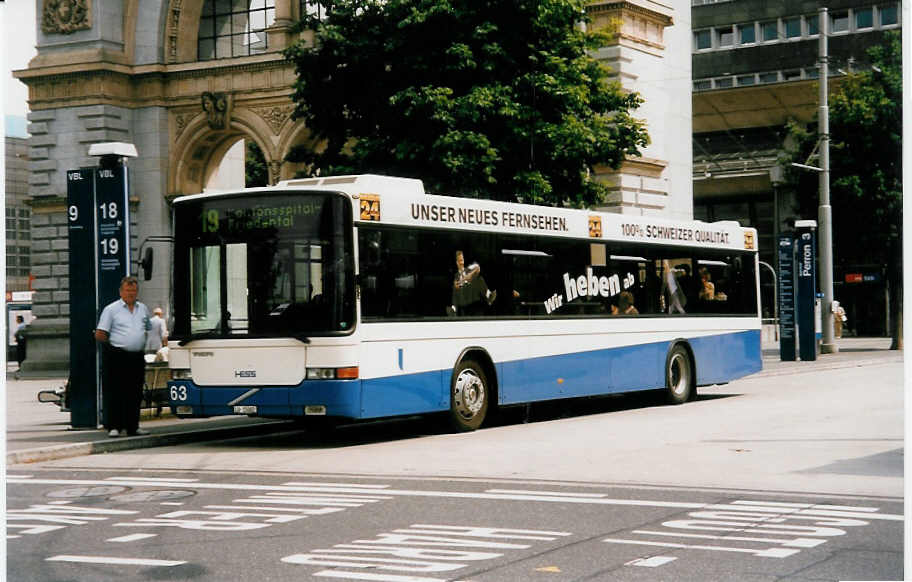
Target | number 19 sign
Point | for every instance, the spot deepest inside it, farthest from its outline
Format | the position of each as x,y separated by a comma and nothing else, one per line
113,231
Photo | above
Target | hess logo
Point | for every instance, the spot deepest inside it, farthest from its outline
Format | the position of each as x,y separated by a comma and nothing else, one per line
245,373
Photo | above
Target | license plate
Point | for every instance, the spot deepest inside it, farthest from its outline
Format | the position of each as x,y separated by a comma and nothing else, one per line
245,409
315,410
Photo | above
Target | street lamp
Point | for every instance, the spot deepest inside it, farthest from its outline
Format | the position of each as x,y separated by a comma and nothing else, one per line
824,210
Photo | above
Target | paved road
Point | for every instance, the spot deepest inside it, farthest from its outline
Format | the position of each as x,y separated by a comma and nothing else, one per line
836,431
794,477
103,525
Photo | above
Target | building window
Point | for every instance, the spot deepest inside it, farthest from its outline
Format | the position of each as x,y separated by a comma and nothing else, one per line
812,72
748,33
726,36
769,77
839,21
791,75
234,28
813,24
702,39
723,83
793,27
745,80
312,8
769,30
864,18
702,85
888,15
23,213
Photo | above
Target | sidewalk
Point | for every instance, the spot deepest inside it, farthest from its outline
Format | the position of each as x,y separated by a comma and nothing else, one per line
38,431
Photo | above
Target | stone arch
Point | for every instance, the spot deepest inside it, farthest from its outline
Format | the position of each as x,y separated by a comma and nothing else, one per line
199,148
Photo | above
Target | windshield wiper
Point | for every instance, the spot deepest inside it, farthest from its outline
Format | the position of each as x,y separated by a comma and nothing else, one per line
212,333
217,334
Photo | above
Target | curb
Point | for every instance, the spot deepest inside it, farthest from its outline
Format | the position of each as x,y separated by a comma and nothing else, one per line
792,368
54,452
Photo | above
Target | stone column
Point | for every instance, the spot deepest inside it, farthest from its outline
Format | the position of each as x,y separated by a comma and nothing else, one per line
645,56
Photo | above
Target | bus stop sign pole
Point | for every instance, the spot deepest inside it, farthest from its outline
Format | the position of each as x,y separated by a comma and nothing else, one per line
99,243
82,387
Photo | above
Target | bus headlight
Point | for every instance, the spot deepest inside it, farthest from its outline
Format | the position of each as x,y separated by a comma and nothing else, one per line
181,374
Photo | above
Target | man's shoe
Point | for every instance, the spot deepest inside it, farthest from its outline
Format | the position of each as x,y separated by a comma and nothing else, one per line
113,433
139,432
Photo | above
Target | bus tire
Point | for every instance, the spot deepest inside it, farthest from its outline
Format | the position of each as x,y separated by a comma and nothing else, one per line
679,376
469,396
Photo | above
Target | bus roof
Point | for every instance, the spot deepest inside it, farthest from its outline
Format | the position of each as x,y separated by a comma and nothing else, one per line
404,202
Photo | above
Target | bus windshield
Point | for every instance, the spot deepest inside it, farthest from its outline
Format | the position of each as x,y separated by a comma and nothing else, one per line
276,265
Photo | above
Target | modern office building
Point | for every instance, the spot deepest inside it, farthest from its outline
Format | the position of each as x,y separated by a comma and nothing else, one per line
184,81
18,215
755,67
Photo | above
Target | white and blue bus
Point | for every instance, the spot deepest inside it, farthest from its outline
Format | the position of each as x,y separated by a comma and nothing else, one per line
360,297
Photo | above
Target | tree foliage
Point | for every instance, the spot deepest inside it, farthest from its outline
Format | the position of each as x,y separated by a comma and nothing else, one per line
255,171
497,99
866,167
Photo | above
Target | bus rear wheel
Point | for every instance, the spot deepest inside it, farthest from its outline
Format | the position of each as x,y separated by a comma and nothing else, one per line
469,396
679,377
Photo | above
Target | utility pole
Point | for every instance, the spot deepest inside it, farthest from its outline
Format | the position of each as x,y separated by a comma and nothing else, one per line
824,210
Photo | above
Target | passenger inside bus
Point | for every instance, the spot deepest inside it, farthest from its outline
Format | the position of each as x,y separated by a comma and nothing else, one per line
470,292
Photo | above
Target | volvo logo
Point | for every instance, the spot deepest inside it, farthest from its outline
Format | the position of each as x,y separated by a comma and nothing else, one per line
245,373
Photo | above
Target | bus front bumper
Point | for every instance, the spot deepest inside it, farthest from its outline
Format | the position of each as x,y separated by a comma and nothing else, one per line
340,398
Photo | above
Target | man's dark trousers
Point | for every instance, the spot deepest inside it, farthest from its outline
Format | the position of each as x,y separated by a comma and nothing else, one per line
123,376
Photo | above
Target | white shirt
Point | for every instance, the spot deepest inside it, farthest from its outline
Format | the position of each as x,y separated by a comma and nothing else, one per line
125,329
157,332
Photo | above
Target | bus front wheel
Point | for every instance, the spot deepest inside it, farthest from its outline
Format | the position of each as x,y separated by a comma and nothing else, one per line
679,378
469,395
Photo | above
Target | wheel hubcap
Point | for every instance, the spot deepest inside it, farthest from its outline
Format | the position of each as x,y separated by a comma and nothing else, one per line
468,394
677,374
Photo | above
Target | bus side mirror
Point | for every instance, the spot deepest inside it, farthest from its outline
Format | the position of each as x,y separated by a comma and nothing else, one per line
146,264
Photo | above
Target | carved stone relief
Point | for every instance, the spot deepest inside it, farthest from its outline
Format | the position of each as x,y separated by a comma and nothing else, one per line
65,16
218,109
275,116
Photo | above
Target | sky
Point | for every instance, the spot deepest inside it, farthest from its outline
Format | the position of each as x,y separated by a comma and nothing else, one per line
18,26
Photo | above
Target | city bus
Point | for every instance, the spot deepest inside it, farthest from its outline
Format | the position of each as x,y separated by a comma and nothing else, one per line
360,297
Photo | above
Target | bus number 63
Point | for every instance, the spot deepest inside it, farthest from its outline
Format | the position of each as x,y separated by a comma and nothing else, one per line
178,393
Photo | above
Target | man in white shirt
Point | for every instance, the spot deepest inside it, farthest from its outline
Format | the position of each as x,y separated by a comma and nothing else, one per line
122,330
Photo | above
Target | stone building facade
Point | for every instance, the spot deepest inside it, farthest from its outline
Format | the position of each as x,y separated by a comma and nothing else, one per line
185,80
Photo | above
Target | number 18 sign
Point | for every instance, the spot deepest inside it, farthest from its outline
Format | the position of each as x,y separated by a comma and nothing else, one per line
113,231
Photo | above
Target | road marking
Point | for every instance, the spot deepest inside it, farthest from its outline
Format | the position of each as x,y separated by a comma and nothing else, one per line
768,553
117,561
318,484
375,577
171,503
132,537
794,543
152,479
558,493
653,562
334,490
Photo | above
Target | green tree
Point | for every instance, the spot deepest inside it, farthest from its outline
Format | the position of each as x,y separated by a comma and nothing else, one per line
498,99
255,172
865,169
